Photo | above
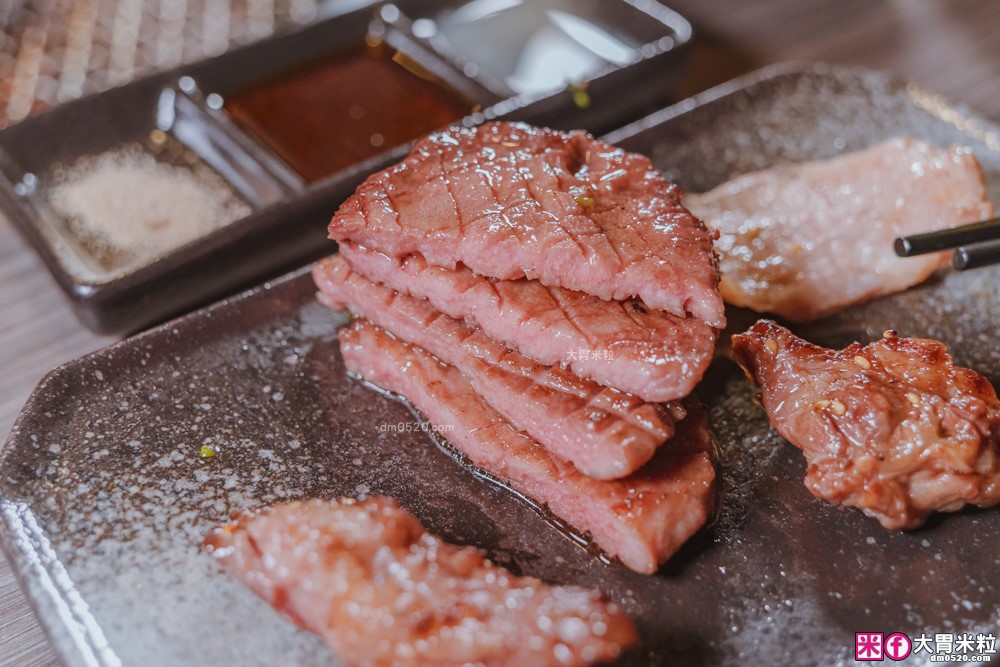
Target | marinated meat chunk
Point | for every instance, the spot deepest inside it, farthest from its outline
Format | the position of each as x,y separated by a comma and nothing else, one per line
511,201
625,344
605,433
382,591
641,519
893,428
804,241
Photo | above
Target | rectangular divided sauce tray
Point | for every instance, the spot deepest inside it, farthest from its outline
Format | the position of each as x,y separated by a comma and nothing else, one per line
105,500
233,165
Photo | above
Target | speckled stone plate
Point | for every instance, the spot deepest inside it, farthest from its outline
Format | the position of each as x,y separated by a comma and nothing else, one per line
105,498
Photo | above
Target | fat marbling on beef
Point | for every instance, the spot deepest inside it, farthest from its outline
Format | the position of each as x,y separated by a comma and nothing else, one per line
624,344
803,241
512,201
893,428
383,592
641,519
605,433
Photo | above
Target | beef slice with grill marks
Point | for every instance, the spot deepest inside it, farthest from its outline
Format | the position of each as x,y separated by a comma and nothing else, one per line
642,519
513,201
624,344
604,432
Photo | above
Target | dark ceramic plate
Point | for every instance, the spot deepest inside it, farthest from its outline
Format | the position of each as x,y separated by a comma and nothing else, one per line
105,498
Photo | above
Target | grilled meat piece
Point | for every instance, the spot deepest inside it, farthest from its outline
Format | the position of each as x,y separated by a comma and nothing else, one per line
805,241
605,433
893,428
625,344
511,201
641,519
383,592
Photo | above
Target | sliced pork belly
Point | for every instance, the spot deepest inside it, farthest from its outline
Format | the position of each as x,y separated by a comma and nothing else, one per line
605,433
641,519
512,201
383,592
893,428
654,355
804,241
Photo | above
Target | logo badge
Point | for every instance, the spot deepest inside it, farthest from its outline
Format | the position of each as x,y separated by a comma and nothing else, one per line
868,646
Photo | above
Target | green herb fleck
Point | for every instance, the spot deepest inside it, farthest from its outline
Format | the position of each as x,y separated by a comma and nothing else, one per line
581,98
584,200
207,452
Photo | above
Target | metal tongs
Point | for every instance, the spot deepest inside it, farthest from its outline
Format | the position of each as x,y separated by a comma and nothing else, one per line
975,245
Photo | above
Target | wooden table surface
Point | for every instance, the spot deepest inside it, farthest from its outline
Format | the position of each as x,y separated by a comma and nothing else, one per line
948,46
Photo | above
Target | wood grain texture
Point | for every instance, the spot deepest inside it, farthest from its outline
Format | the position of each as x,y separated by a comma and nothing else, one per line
947,47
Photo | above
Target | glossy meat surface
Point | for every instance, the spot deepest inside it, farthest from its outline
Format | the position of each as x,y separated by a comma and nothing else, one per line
381,591
511,201
804,241
624,344
642,519
893,428
605,433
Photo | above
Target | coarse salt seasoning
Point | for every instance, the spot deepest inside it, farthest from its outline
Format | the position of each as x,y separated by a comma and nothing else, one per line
128,207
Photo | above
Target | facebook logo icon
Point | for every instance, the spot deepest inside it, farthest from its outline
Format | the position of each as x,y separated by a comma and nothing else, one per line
876,646
897,646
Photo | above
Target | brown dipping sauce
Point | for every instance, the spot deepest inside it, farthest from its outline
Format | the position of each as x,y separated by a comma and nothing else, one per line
330,115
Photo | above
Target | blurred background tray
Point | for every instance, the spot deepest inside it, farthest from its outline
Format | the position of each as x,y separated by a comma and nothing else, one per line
272,119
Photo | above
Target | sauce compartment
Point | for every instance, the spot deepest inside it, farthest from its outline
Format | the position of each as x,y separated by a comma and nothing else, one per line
124,207
558,62
533,47
329,115
345,95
